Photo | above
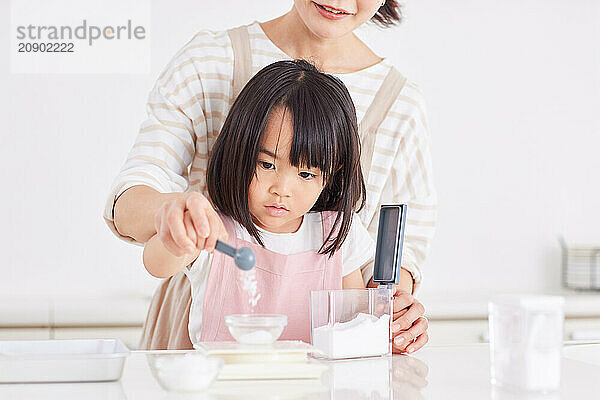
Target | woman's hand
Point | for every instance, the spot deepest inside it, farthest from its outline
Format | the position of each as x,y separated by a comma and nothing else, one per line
188,222
409,326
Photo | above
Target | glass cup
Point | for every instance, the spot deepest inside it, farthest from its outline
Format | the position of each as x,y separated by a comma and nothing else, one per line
526,342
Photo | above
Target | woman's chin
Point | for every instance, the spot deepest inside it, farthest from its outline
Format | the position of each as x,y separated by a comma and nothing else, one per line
327,30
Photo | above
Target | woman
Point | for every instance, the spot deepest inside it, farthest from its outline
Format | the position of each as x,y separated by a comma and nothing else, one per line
165,173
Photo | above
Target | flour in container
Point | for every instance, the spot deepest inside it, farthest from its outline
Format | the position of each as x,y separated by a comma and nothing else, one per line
364,336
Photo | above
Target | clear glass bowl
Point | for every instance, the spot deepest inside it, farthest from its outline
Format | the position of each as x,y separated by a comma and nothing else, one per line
256,328
184,371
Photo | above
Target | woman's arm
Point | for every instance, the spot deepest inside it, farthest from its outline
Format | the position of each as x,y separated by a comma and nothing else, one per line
156,169
411,182
172,137
144,212
161,263
135,209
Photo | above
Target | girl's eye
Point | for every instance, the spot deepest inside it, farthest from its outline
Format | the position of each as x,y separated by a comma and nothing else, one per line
266,165
306,175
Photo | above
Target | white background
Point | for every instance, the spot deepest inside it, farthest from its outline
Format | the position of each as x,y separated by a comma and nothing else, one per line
513,92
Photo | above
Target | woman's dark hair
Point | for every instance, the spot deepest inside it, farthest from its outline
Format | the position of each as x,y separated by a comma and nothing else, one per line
325,136
389,14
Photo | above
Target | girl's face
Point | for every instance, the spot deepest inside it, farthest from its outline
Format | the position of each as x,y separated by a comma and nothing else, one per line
332,19
280,193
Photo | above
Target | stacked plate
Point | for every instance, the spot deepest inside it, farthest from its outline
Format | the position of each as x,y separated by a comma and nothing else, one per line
280,360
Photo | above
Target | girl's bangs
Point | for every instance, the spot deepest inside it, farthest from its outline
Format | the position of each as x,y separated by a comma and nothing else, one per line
316,133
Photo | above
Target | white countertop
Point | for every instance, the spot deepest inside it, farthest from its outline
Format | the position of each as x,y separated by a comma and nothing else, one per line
449,372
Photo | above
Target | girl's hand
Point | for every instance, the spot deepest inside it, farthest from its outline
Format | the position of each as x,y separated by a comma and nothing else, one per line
187,223
409,326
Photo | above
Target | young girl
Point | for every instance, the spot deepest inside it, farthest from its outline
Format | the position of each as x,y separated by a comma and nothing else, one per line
285,177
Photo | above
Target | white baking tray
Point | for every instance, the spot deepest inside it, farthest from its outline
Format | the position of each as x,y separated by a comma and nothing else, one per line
72,360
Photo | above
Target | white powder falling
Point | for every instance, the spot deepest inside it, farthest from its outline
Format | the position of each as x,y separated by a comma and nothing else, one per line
250,286
364,336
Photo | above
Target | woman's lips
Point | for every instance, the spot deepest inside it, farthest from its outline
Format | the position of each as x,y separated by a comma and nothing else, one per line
275,211
329,14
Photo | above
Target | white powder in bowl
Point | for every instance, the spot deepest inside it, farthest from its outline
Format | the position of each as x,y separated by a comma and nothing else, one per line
257,337
187,372
364,336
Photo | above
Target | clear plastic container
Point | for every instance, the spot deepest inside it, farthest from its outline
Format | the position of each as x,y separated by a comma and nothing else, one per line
351,323
526,342
256,328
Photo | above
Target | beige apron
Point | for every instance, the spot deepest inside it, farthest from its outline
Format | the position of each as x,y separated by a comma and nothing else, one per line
166,325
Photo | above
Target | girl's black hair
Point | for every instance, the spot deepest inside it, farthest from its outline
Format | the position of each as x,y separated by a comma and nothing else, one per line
389,14
325,136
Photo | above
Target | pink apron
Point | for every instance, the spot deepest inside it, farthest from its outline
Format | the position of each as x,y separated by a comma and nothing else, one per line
284,283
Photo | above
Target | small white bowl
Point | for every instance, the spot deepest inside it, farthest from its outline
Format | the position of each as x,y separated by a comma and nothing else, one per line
256,328
184,371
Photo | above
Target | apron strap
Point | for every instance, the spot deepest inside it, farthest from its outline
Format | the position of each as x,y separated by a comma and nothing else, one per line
384,99
242,58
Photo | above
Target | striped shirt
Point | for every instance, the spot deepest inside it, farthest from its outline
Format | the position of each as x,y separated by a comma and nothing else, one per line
192,96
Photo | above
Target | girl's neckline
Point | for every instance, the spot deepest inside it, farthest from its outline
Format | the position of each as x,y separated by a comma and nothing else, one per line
260,30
